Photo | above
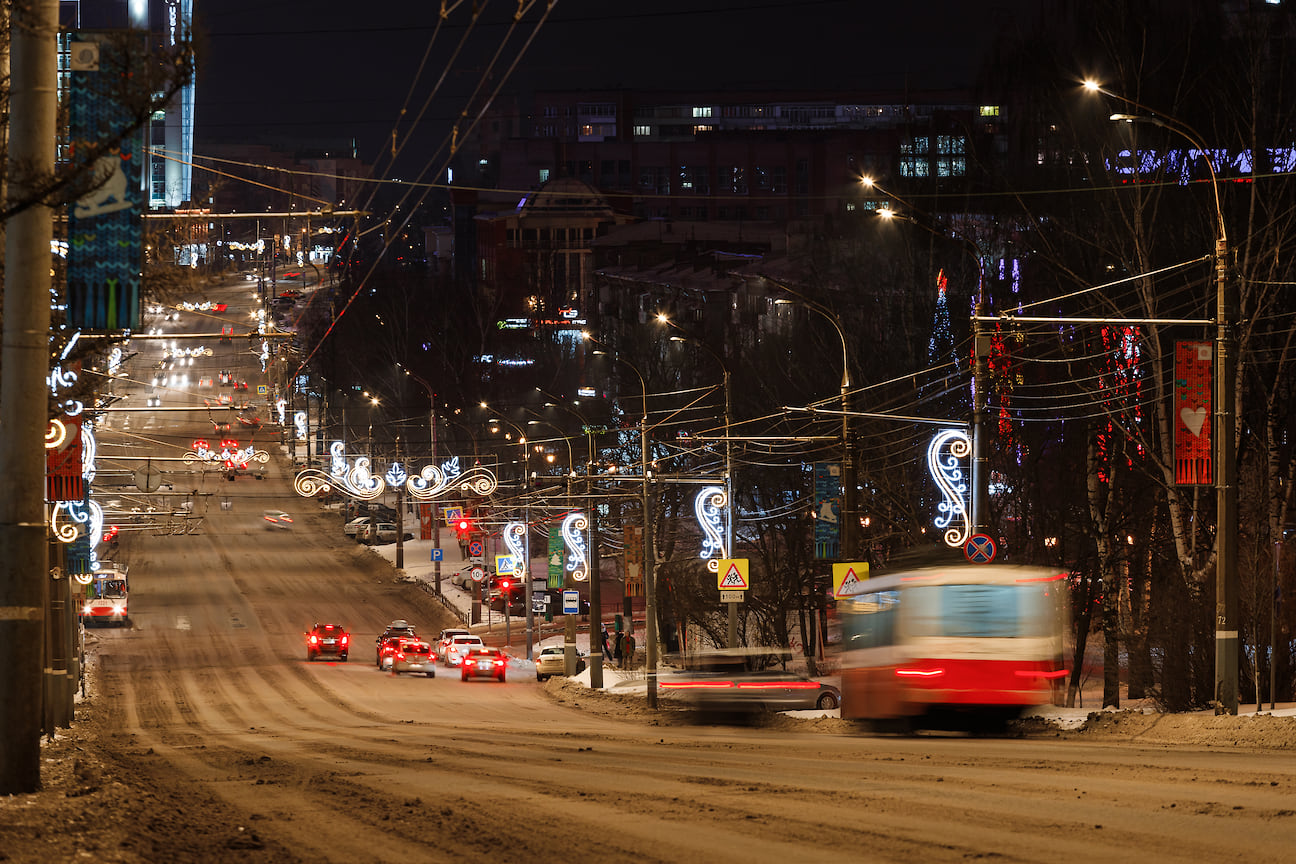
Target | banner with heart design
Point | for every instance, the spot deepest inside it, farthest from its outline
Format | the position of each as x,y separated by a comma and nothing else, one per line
1194,454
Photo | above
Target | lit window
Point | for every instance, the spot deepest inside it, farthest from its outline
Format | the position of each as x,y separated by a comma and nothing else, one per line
642,131
697,129
989,110
702,112
544,175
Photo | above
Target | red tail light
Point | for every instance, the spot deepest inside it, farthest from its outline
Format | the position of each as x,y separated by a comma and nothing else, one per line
344,639
314,639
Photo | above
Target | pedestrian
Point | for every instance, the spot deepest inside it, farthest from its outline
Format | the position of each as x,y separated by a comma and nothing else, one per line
616,647
630,650
607,652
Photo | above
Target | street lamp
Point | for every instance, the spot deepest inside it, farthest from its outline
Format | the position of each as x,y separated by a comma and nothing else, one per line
981,358
849,517
728,469
436,508
526,539
596,576
1226,533
650,588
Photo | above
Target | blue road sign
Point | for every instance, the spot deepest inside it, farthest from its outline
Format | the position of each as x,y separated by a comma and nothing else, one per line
980,549
438,555
571,602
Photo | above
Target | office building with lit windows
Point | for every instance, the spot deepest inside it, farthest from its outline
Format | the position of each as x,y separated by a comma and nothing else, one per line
169,137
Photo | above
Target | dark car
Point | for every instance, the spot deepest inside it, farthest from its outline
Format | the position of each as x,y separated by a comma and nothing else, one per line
484,663
328,639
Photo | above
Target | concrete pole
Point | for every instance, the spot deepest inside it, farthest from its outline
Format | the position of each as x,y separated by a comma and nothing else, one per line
24,365
650,554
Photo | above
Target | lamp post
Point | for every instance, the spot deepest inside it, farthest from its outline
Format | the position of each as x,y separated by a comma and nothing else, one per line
849,518
980,515
728,470
1225,472
526,542
650,553
569,621
596,573
436,508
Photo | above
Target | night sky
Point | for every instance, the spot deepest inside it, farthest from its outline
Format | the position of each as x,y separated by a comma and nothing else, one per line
291,70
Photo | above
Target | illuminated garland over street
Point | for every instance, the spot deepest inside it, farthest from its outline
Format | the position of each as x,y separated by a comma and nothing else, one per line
229,455
357,480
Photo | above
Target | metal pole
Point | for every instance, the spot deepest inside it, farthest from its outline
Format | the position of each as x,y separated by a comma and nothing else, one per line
1273,626
24,365
650,553
1226,587
436,507
980,470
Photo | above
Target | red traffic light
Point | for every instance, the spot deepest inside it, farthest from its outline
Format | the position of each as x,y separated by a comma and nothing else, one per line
505,584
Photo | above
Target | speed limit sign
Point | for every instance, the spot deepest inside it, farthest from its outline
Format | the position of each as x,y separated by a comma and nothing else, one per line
477,573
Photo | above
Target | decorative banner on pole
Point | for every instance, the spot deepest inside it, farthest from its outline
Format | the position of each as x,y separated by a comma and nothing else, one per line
63,462
634,560
1194,455
106,223
555,558
827,509
710,507
947,471
573,532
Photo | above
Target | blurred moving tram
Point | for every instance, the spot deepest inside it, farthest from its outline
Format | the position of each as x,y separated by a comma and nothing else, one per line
961,646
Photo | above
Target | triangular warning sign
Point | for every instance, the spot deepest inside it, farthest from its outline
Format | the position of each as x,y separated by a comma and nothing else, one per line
850,585
733,578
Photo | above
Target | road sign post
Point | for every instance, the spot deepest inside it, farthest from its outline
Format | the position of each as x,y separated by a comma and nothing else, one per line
731,579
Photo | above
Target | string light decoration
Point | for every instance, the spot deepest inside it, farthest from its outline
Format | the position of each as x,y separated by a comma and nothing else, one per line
514,533
357,480
1121,382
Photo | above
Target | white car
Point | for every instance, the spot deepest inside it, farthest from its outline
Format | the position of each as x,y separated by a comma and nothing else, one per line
352,528
414,656
459,646
552,660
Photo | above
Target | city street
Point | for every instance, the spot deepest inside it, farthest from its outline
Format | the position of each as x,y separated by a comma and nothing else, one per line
207,736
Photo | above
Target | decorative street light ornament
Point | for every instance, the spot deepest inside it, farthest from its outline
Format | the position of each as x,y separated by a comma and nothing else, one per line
280,406
573,534
433,481
228,455
711,509
946,469
514,532
358,481
299,420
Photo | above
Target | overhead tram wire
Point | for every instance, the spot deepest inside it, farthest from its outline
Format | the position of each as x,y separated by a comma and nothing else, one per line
411,210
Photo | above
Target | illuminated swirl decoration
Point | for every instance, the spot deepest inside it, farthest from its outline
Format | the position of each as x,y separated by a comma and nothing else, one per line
513,534
353,479
89,449
72,519
947,471
55,434
299,420
280,405
433,481
710,507
573,534
357,481
396,475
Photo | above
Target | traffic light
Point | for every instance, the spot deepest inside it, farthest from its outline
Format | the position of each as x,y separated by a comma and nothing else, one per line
505,584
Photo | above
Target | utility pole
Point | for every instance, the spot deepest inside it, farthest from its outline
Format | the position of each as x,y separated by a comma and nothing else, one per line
24,365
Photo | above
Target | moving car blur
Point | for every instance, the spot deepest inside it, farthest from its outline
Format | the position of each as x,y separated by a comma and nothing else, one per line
741,680
459,647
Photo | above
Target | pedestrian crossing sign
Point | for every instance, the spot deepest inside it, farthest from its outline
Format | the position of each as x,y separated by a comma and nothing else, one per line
731,574
848,578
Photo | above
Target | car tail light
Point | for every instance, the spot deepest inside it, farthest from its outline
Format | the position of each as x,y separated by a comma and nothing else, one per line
314,639
345,638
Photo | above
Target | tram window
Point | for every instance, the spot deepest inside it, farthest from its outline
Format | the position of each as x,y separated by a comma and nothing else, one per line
872,620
